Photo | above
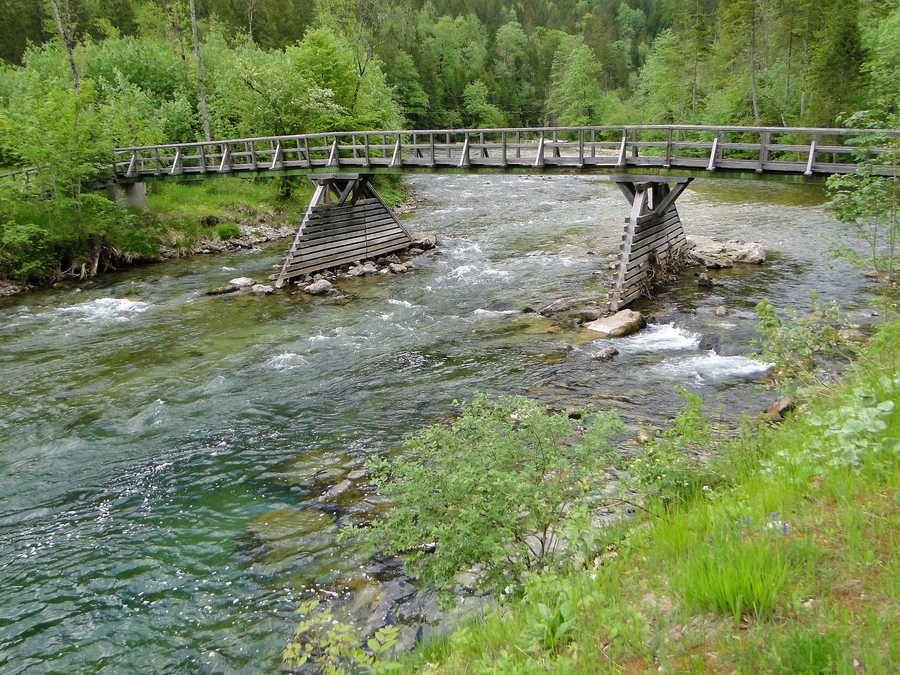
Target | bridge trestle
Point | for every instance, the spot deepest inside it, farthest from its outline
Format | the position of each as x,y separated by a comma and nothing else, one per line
653,244
345,221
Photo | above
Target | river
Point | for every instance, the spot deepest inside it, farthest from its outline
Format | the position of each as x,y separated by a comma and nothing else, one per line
163,453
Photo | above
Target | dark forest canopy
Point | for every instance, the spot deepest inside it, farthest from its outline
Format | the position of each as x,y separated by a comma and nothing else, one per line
476,62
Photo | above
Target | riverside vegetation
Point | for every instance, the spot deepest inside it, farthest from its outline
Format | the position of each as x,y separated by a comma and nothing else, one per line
770,549
78,78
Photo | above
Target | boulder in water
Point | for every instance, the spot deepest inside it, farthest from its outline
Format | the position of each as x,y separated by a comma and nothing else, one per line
424,240
320,287
624,322
262,289
555,307
604,354
715,253
397,268
242,282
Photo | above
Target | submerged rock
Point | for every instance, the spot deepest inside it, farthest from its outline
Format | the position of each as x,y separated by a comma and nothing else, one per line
222,290
624,322
320,287
555,307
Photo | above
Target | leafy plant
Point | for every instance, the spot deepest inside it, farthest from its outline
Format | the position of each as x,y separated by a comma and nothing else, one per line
333,646
668,470
869,201
794,343
495,491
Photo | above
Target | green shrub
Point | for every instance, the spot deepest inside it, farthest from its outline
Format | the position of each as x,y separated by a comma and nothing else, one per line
503,489
228,231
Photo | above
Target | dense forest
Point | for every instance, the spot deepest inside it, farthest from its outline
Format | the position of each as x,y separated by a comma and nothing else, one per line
79,77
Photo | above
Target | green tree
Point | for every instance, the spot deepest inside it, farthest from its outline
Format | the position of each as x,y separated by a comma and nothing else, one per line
478,112
835,61
499,489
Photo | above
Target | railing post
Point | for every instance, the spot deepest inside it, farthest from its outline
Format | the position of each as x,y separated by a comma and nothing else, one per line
539,159
518,145
634,147
763,151
503,141
711,165
621,160
811,162
668,163
593,143
366,149
202,159
581,148
431,142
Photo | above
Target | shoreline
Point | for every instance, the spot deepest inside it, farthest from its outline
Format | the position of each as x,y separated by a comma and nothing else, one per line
252,234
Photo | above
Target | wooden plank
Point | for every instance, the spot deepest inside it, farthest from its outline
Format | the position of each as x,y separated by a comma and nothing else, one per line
812,157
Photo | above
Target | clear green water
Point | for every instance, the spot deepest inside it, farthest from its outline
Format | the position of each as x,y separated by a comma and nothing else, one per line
163,453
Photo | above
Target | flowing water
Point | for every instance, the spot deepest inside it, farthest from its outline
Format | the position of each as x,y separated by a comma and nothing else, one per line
174,467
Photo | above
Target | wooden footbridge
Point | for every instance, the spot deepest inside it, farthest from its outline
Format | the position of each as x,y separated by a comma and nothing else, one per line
347,221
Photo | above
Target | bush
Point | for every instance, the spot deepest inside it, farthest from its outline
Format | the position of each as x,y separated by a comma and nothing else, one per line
503,489
228,231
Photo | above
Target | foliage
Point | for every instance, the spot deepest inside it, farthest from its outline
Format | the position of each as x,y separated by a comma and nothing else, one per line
332,645
670,471
870,202
794,344
495,490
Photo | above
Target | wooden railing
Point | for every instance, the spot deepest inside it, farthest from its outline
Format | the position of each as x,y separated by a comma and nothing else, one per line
797,150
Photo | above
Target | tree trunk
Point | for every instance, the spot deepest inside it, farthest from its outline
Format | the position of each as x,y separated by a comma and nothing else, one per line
753,94
66,37
177,42
201,89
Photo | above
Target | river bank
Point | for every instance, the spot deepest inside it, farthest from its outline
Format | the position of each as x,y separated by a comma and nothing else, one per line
218,215
784,564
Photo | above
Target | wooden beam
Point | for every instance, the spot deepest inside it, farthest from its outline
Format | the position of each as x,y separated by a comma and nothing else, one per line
333,155
712,154
621,160
539,160
812,157
397,158
464,156
276,158
225,164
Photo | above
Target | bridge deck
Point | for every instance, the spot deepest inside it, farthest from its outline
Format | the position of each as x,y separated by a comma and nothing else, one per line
764,150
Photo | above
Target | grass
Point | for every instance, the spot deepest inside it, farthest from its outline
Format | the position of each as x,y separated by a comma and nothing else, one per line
190,211
789,565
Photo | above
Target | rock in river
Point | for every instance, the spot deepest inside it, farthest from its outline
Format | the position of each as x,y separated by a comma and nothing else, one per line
623,322
714,253
242,282
604,354
320,287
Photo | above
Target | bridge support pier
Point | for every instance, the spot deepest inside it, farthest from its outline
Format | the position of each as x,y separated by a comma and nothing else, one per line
653,242
345,221
131,195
